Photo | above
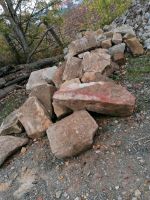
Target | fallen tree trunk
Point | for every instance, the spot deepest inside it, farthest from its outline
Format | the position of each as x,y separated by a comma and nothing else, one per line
4,92
15,75
17,80
30,66
6,70
42,63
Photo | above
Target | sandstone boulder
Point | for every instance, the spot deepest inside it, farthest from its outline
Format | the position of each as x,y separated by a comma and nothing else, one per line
58,75
94,77
41,77
11,124
34,118
106,44
75,80
101,97
117,38
96,61
109,34
44,94
85,43
73,69
119,58
74,137
8,145
48,73
135,46
60,111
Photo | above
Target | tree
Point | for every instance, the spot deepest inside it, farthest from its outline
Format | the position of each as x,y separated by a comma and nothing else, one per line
23,20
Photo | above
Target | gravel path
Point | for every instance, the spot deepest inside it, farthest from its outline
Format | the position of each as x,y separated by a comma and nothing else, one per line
116,168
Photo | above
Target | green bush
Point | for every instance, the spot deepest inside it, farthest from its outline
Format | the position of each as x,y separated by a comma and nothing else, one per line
106,10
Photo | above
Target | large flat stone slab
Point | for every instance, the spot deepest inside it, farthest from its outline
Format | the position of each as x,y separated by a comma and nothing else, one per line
101,97
34,118
72,135
8,145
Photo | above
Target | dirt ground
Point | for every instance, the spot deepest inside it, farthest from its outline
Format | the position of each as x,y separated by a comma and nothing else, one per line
116,168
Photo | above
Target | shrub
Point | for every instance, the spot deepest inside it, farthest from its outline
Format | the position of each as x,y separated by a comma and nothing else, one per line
105,11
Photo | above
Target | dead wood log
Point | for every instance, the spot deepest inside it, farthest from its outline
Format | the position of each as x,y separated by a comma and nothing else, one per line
42,63
4,92
17,80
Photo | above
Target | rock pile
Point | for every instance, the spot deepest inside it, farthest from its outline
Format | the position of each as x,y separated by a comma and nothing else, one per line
77,86
138,17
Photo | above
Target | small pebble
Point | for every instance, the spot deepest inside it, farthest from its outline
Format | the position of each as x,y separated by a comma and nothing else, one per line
137,193
58,194
117,187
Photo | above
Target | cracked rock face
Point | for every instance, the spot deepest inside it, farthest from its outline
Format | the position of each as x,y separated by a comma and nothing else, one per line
69,137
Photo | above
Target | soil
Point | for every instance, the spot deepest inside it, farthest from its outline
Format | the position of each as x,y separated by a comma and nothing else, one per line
116,168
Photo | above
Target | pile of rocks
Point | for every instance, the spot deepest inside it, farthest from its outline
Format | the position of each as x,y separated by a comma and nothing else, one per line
138,17
79,85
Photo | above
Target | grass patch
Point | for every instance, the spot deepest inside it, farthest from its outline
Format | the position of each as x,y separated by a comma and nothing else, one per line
138,67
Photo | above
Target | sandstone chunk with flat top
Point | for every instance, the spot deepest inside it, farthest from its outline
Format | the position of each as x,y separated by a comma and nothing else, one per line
102,97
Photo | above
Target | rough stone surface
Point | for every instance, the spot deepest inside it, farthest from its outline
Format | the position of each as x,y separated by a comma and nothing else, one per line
106,44
96,61
119,48
73,69
74,137
75,80
44,94
34,118
48,73
41,77
93,77
60,110
9,144
101,97
85,43
119,58
109,34
117,38
11,124
135,46
57,77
